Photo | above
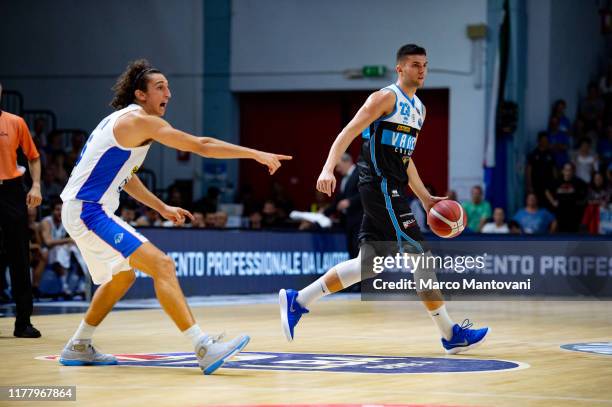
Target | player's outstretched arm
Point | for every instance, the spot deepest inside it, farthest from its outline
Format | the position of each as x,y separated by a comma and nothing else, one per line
137,190
210,147
378,104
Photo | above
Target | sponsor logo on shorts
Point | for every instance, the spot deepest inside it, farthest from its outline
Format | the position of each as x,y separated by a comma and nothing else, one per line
321,362
600,348
118,238
408,223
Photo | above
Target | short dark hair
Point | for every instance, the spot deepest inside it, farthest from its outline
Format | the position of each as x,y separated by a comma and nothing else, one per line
409,49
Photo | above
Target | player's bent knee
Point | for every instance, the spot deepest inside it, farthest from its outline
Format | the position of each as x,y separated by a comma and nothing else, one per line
167,268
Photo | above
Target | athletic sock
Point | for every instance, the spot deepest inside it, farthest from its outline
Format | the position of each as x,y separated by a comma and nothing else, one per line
338,277
443,322
84,331
312,292
194,334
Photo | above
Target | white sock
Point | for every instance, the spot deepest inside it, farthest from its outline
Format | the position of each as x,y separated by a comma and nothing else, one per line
194,334
443,322
312,292
84,331
349,273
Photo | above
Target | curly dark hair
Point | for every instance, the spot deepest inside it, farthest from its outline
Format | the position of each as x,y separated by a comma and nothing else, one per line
135,77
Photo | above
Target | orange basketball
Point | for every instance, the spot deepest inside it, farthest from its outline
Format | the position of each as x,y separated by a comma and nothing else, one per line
447,218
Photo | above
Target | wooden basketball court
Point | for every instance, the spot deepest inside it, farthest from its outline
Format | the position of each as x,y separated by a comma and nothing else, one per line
529,333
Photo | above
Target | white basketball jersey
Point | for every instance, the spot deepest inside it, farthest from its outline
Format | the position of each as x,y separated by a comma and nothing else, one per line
409,112
104,167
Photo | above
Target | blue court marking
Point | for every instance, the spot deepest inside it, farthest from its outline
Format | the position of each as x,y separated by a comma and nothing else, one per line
599,348
309,362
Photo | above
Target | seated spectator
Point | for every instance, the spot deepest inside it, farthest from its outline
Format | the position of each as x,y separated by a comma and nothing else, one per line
568,197
281,199
320,203
55,144
559,142
605,84
62,249
38,253
535,220
175,197
210,202
451,194
39,133
477,209
558,111
220,219
150,217
541,170
499,223
199,221
585,161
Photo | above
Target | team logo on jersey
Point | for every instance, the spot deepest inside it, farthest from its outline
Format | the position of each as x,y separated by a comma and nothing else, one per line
601,348
309,362
118,238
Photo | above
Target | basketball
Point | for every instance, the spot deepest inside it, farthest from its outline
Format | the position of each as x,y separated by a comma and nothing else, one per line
447,218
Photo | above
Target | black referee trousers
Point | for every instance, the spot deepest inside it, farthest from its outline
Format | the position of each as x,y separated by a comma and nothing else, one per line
15,246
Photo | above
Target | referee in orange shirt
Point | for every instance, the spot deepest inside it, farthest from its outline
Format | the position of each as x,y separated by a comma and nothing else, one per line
14,133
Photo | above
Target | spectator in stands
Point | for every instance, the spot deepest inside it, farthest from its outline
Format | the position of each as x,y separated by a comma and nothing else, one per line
541,171
246,197
62,249
558,111
175,197
150,217
499,223
58,161
477,209
592,107
39,254
559,142
585,161
220,219
568,197
535,220
199,221
281,199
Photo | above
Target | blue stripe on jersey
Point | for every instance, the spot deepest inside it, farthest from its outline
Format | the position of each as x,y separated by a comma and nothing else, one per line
397,139
103,174
108,230
398,231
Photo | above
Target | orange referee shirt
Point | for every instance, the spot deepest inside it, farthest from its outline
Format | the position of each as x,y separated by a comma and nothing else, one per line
14,133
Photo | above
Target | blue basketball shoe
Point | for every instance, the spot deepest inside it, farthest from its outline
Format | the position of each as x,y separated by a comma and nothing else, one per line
290,310
464,338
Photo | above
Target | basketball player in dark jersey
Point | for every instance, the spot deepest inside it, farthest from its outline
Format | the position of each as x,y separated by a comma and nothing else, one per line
390,122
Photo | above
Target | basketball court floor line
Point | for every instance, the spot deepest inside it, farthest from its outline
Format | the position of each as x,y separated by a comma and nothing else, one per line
371,391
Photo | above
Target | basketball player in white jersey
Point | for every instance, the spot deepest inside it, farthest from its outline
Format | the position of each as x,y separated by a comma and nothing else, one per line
390,122
113,249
